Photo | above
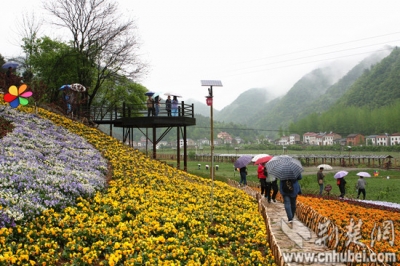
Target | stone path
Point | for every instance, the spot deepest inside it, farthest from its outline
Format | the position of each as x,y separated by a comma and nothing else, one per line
291,240
295,239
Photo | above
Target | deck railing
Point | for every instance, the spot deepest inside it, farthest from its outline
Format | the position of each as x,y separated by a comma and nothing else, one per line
106,114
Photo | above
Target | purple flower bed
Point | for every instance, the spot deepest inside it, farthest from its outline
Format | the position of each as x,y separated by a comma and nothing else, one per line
44,166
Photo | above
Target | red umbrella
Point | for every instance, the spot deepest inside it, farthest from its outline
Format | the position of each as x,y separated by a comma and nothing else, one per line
263,159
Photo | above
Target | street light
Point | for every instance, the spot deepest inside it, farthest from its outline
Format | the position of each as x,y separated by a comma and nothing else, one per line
209,100
349,154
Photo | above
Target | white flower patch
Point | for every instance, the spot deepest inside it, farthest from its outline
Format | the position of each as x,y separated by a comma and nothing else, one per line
45,166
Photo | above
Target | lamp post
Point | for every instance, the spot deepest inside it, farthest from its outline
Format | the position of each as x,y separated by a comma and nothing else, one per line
209,101
349,154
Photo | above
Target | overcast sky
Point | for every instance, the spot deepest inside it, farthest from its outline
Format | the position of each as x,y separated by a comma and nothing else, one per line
245,44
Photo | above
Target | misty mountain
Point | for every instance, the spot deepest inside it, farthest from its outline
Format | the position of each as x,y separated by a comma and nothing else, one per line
371,105
317,91
378,86
249,105
336,91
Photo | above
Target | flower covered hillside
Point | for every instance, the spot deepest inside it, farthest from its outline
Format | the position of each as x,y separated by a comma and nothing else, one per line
150,214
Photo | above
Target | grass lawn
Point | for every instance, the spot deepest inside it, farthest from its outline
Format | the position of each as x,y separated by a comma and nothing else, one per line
378,188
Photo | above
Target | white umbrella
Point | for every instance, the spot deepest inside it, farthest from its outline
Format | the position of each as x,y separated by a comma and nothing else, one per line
325,166
364,174
340,174
171,93
258,156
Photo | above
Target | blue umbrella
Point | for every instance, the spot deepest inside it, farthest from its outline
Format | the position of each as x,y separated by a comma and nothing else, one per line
156,94
242,161
11,64
63,87
149,93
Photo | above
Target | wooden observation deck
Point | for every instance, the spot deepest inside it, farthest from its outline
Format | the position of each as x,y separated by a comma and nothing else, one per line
129,117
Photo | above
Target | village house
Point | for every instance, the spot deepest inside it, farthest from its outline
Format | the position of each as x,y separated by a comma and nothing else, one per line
309,138
370,140
284,140
329,138
225,137
394,139
382,140
355,139
294,139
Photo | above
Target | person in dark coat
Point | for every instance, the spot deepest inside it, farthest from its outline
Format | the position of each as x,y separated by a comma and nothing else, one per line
168,105
342,186
290,196
8,77
243,175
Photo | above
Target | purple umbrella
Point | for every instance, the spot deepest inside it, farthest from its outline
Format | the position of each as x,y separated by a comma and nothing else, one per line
242,161
340,174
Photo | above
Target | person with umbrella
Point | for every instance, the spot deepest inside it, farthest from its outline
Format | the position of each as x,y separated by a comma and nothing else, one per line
320,180
361,183
271,184
261,176
243,176
288,171
168,105
8,77
289,189
174,106
157,101
342,186
242,163
150,106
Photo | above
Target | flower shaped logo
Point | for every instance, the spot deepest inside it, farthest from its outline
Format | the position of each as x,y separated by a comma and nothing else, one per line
17,96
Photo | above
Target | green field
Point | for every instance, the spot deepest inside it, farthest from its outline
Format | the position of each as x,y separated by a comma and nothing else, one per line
378,188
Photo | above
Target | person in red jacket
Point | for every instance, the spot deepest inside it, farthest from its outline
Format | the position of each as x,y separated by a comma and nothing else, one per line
262,177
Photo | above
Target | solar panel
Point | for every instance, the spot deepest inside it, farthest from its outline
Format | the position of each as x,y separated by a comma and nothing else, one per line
211,83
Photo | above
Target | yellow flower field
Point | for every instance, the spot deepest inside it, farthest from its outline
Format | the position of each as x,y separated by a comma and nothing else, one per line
150,214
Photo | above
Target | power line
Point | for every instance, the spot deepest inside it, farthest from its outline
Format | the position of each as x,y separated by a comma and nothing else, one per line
304,63
316,48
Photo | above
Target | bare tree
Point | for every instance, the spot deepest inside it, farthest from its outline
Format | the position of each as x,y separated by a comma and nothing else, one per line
106,48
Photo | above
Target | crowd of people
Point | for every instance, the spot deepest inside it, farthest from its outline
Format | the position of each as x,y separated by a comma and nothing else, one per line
290,189
154,105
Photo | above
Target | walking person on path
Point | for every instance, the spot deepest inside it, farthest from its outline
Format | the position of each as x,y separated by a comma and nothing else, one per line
320,180
243,175
342,186
361,183
271,184
290,189
262,177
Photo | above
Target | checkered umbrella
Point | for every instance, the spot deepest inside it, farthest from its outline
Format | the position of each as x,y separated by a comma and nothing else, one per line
78,87
284,167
